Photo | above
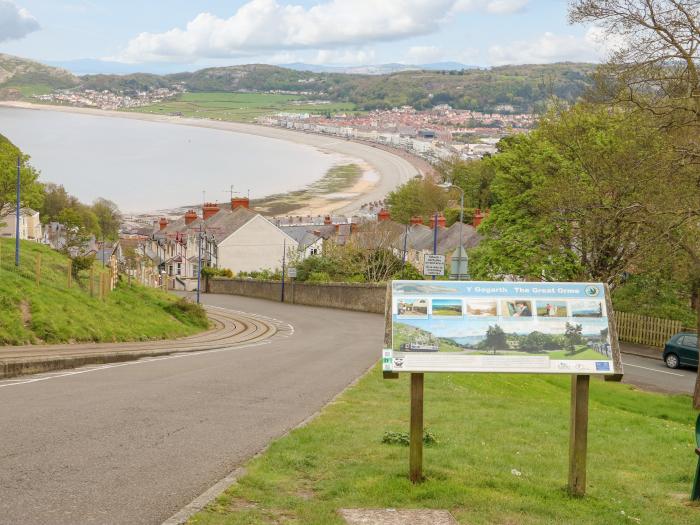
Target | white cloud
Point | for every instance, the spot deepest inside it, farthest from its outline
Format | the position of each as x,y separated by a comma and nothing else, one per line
496,7
15,22
260,26
424,54
550,47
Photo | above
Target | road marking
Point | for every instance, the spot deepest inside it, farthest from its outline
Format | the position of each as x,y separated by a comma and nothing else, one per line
655,370
16,382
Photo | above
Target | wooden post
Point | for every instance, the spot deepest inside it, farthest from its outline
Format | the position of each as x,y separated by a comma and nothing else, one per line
578,440
37,269
416,436
102,286
92,281
70,273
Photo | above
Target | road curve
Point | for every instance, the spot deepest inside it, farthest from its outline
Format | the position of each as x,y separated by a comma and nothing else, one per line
230,328
134,442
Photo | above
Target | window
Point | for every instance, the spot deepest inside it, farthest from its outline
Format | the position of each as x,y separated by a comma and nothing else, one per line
313,251
179,268
689,340
170,270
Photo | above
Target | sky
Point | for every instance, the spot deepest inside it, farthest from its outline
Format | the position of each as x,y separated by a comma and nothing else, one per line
190,34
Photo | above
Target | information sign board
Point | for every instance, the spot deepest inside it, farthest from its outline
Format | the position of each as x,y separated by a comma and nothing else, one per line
292,272
433,265
507,327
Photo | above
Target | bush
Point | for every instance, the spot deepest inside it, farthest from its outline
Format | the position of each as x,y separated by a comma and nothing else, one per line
404,439
318,277
80,263
188,312
209,271
409,273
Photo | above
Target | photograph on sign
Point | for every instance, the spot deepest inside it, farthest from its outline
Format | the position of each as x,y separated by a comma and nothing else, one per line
501,327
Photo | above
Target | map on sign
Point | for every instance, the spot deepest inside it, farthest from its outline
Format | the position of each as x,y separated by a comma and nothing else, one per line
468,326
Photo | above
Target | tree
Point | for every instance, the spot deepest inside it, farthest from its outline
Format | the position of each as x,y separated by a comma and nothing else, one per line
108,217
474,177
80,224
417,197
56,199
572,197
30,187
573,336
495,339
657,71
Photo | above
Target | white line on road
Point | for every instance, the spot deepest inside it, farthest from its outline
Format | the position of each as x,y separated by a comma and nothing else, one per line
129,363
654,370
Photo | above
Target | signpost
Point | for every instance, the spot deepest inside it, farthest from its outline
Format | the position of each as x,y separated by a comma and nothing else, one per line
292,272
499,327
433,265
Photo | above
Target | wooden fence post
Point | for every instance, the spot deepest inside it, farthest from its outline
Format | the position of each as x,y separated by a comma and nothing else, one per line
92,281
416,435
70,273
578,440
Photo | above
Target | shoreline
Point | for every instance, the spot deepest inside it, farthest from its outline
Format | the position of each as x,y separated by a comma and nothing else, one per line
383,169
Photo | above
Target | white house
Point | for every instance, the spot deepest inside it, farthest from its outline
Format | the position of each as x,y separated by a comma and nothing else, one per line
247,241
29,224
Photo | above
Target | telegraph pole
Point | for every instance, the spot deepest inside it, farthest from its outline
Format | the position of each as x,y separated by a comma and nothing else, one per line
284,261
199,264
17,214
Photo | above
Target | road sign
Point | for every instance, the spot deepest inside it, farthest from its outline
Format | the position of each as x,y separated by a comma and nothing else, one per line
292,272
433,264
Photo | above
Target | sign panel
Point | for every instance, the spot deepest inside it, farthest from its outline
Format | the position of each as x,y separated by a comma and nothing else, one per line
470,326
292,272
433,265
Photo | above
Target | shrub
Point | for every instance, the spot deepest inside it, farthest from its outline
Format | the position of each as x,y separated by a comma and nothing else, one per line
188,312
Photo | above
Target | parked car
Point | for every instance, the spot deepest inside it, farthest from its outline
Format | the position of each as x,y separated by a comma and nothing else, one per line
681,350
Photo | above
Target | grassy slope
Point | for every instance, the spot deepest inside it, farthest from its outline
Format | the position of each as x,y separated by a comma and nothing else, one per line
55,314
640,461
239,107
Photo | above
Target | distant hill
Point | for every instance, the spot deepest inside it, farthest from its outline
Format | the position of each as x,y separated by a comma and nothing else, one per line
525,87
21,77
378,69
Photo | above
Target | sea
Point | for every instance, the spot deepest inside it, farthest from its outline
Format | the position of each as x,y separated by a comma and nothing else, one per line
150,166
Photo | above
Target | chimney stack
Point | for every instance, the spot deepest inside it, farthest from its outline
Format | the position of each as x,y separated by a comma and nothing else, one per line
240,202
327,220
416,219
383,215
162,223
478,217
441,221
190,217
209,210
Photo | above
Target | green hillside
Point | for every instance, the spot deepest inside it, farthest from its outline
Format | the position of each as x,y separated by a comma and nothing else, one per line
20,77
525,87
51,312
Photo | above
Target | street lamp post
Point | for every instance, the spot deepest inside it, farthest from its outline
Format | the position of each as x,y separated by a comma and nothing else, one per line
448,186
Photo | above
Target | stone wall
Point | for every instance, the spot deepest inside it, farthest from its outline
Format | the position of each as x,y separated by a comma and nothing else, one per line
360,297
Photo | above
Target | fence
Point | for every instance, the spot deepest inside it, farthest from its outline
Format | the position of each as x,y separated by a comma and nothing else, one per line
49,270
644,330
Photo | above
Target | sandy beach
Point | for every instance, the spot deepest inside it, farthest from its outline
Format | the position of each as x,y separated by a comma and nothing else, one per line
383,170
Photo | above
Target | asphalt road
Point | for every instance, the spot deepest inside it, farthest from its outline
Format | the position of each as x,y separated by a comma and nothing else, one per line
132,443
654,375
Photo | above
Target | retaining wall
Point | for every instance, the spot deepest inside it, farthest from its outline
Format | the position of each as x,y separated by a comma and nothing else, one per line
360,297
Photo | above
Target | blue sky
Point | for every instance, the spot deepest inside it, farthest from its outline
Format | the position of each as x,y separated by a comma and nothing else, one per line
191,34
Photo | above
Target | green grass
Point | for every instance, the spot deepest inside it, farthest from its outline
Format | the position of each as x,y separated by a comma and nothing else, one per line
53,313
241,107
640,459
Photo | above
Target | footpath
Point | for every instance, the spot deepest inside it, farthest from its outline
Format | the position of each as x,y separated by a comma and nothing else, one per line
230,328
641,350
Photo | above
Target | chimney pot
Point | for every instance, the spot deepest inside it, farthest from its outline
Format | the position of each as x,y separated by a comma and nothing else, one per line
478,217
383,215
209,210
162,223
190,217
240,202
416,219
327,220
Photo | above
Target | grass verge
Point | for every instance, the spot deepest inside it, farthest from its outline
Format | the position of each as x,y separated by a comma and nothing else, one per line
52,312
501,457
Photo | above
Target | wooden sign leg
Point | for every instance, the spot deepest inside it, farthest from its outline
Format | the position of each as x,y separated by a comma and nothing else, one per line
416,436
578,440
